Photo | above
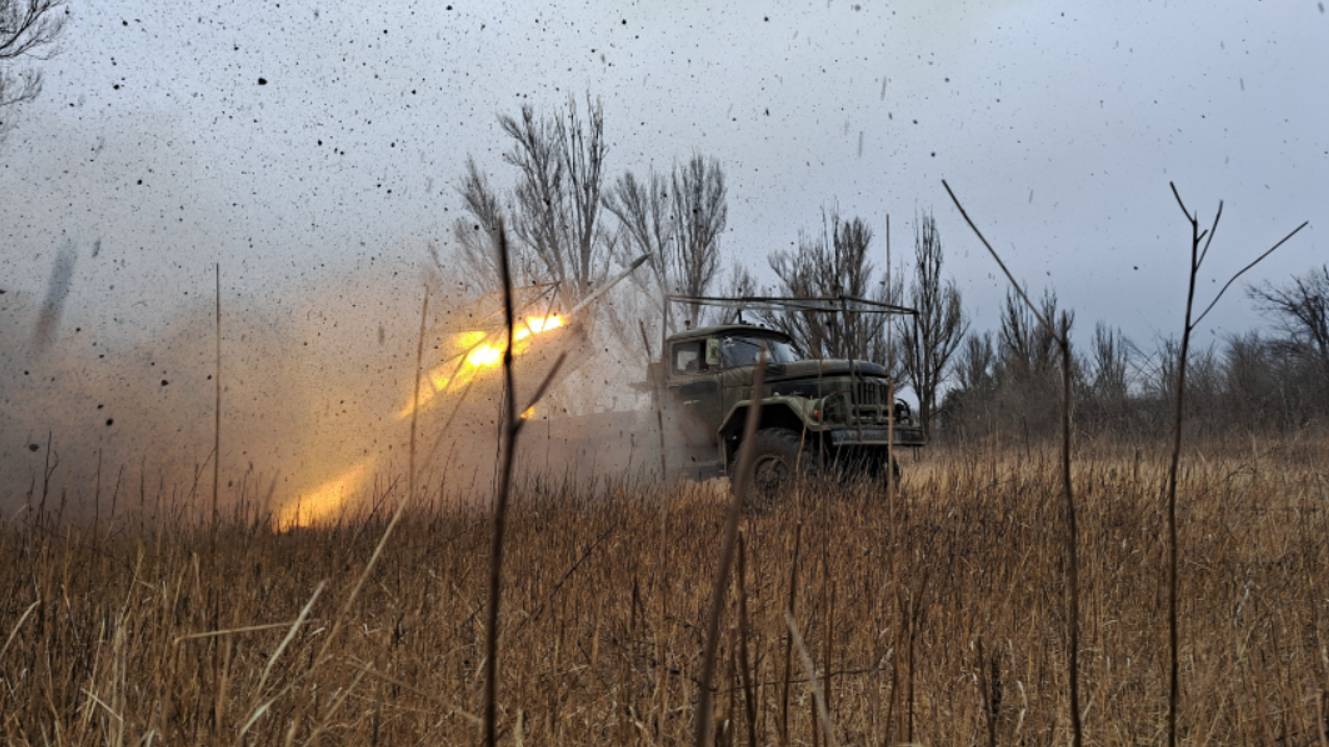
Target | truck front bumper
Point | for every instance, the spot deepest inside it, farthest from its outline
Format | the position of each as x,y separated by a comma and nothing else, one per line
877,436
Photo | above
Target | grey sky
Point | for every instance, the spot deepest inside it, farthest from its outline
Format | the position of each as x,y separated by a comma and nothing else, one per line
1059,124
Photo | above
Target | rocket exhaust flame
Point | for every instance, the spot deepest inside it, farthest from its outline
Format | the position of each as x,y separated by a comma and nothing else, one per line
474,352
324,501
471,354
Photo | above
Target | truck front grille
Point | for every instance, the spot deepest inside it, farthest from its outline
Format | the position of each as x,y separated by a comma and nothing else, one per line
871,402
871,393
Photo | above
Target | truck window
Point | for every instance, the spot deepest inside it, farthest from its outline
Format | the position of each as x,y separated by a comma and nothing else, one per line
744,350
689,358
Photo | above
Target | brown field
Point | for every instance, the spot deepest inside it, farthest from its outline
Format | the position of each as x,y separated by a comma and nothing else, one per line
936,618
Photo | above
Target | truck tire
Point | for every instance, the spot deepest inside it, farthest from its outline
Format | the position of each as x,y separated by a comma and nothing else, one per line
776,459
880,471
873,466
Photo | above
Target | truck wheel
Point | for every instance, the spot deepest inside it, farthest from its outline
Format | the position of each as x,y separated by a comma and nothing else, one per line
775,461
877,467
895,469
869,465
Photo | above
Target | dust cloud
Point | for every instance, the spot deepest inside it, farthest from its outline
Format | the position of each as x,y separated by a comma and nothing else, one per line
316,392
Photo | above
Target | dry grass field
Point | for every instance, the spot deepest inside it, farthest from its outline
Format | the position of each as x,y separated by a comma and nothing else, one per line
936,618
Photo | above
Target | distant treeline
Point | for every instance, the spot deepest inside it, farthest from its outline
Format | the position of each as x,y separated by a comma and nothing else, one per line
1007,381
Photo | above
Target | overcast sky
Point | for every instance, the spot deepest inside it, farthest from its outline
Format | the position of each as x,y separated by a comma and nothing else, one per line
154,150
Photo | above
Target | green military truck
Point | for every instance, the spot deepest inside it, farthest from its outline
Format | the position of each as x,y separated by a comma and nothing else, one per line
816,415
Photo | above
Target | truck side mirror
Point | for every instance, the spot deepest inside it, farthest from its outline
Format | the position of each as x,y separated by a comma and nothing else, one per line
712,352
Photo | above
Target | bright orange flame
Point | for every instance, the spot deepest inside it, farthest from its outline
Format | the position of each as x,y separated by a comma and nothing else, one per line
484,356
478,352
469,354
324,501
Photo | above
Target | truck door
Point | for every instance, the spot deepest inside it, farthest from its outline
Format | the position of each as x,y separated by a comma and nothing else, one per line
694,388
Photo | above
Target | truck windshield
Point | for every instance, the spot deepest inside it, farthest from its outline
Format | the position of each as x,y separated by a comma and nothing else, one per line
743,351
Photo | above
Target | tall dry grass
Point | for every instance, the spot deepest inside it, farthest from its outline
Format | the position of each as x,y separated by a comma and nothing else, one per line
936,618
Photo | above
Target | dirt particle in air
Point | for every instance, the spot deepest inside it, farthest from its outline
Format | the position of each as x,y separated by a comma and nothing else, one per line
262,81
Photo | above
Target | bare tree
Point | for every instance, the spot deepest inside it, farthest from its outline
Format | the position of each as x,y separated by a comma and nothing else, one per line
475,232
700,211
642,209
1107,398
1110,364
933,334
977,381
556,204
835,265
678,222
975,364
740,283
1028,347
1302,310
26,28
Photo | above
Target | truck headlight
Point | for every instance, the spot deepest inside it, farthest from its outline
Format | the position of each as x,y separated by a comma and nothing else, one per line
833,409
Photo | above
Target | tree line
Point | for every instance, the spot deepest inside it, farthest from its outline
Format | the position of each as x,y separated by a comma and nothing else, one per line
572,220
1005,381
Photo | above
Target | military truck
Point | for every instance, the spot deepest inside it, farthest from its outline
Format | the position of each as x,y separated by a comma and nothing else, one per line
815,416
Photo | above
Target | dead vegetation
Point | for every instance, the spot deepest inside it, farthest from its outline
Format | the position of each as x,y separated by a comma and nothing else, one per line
936,619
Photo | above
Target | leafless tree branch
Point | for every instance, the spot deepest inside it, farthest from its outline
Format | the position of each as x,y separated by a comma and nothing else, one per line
1062,336
1243,270
26,26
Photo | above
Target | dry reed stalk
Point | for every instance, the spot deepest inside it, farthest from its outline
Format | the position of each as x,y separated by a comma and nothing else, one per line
237,630
656,403
745,632
511,430
216,407
790,606
510,426
818,698
415,397
1071,540
890,386
14,632
716,608
1198,255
